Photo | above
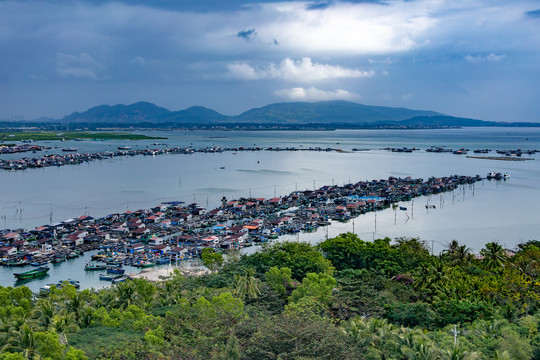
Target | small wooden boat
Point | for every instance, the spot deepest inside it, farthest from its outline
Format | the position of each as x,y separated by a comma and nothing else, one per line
144,264
15,263
40,271
119,279
115,270
93,266
75,283
58,259
108,277
162,261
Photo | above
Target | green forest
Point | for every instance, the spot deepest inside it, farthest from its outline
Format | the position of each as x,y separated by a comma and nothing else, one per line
344,298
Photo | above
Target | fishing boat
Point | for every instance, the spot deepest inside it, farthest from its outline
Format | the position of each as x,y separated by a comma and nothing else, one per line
15,263
162,261
108,277
495,176
58,259
94,266
45,289
144,264
72,255
75,283
69,149
40,271
124,148
119,279
403,208
115,270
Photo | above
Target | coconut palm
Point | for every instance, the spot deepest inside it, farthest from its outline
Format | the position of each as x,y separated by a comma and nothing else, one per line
408,337
494,256
86,315
22,341
451,249
247,286
65,324
463,255
75,304
490,329
44,313
422,349
457,254
504,355
459,352
376,334
126,294
431,278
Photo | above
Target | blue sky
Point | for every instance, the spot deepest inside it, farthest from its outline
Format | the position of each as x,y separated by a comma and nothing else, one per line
478,59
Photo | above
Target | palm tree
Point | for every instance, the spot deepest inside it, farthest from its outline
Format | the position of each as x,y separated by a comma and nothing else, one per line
490,329
494,256
432,278
502,355
23,341
421,350
75,304
86,315
126,294
247,286
451,249
373,333
65,324
408,337
459,352
44,313
463,255
457,254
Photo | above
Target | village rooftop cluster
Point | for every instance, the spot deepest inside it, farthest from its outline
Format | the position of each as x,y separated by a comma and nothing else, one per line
176,231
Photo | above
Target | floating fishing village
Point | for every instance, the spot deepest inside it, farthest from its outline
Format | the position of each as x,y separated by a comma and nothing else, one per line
174,231
74,158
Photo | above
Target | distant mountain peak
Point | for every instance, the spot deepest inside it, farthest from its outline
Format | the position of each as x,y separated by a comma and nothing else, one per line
339,112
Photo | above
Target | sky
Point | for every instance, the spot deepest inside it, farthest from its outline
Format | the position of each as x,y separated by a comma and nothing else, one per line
470,58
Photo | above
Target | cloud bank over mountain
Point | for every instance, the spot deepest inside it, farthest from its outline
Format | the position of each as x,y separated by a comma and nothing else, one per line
476,59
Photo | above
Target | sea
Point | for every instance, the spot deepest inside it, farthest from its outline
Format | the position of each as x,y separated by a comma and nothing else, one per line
507,212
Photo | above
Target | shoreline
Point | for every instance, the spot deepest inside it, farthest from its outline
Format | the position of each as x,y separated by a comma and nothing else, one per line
157,275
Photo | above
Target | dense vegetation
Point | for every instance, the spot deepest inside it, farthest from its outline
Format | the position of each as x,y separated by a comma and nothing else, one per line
343,299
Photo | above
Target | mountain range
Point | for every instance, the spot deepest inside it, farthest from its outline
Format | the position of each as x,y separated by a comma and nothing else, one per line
345,113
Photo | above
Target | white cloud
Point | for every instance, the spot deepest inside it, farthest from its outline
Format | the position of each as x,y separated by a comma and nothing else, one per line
82,66
299,71
346,28
482,59
138,60
314,94
382,61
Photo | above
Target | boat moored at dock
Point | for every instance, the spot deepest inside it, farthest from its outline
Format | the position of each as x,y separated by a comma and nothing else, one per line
31,274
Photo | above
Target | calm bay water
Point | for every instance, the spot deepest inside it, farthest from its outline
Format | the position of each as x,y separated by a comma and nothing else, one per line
507,212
